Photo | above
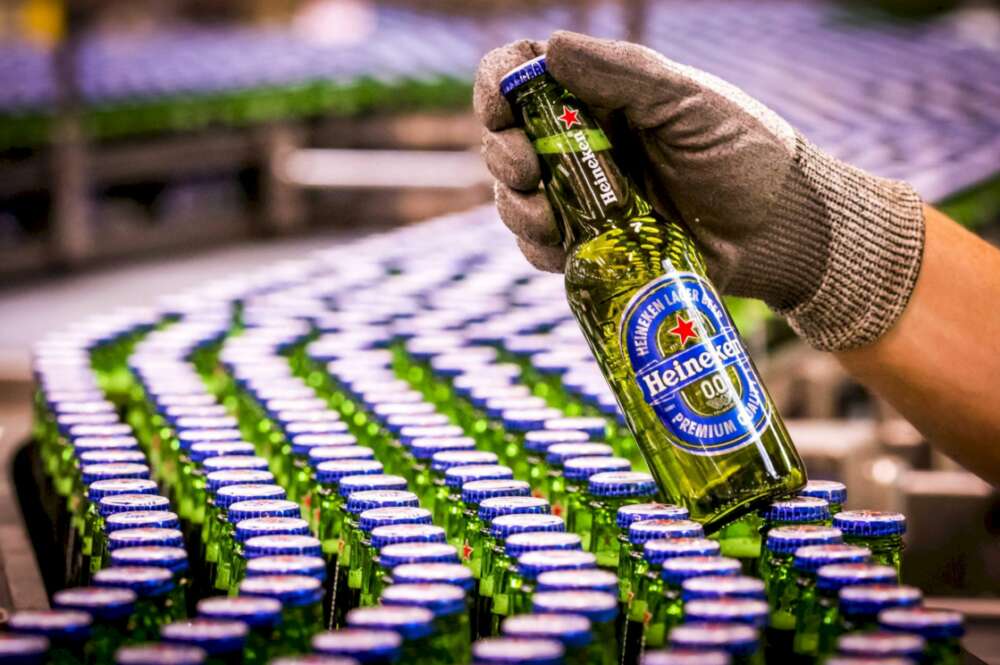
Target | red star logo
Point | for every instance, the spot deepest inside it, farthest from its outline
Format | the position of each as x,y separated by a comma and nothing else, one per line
466,552
684,329
569,117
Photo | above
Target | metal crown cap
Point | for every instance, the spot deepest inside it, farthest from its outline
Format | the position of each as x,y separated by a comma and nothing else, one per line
303,443
256,612
23,649
881,645
323,453
811,558
572,630
173,559
215,636
99,489
270,526
244,510
219,479
928,623
406,533
870,599
727,610
297,427
200,452
160,654
377,645
457,476
89,457
577,580
395,423
557,454
145,581
710,587
507,525
658,551
786,539
162,519
331,471
592,426
358,502
635,512
735,638
492,508
234,462
870,523
408,434
62,625
282,544
532,564
102,603
398,554
289,590
441,599
365,483
525,420
475,491
228,495
412,623
447,459
287,564
675,571
93,472
829,490
598,606
833,577
141,536
582,468
426,448
539,441
188,438
622,484
375,517
802,509
531,541
114,504
678,656
643,531
447,573
517,651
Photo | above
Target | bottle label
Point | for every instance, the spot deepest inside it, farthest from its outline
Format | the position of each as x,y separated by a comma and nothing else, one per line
692,367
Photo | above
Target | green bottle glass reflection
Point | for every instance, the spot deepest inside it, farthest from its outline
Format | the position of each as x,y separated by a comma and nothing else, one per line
665,341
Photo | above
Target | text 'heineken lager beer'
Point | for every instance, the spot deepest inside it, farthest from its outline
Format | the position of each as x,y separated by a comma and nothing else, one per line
661,333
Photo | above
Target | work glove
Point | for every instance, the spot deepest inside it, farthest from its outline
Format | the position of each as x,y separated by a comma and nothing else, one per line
833,249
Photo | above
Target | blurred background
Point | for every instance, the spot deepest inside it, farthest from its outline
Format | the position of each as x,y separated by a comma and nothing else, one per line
148,146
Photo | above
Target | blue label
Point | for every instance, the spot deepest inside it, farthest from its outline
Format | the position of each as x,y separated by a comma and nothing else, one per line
691,365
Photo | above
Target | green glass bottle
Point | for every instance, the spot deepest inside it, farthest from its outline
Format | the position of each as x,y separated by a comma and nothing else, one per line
422,644
301,598
831,491
942,631
780,581
608,492
631,548
156,603
222,640
160,653
636,282
261,615
571,630
598,606
861,605
803,511
882,645
450,607
67,631
881,532
739,640
368,646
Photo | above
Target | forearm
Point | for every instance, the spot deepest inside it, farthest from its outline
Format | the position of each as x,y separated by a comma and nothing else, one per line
940,364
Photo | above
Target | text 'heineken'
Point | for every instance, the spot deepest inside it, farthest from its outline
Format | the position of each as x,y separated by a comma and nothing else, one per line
662,335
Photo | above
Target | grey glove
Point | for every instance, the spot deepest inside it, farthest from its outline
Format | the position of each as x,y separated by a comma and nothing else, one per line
834,249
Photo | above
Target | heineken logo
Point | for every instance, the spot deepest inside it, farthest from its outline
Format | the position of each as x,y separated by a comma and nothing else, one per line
570,117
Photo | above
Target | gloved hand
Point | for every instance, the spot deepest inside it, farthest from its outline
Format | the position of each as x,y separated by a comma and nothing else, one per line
832,248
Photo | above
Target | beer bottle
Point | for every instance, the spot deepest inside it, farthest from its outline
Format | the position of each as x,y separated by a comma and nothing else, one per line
665,342
802,511
301,599
249,530
328,518
607,493
109,610
287,564
24,649
685,657
740,641
160,653
632,562
780,579
475,492
448,459
67,632
422,450
365,646
601,608
434,573
421,644
495,515
362,565
834,493
531,465
450,608
172,559
570,630
711,588
861,605
881,532
631,552
882,645
222,640
942,631
576,473
237,503
747,611
517,651
578,580
261,615
520,587
669,610
154,604
458,513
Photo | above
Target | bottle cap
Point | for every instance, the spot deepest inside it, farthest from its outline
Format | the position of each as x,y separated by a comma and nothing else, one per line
532,564
331,471
234,462
383,411
253,611
507,525
219,479
734,638
287,564
685,657
447,459
375,517
539,441
475,491
517,651
784,540
426,448
23,649
102,603
113,456
496,406
161,519
56,625
410,433
173,559
519,543
67,421
287,417
832,578
869,523
99,489
296,427
145,581
598,606
829,490
406,533
870,599
114,504
244,510
190,437
711,587
492,508
811,558
554,362
323,453
881,645
85,443
289,590
366,645
200,452
675,571
572,630
359,502
525,420
595,428
582,468
215,636
577,580
621,484
928,623
270,526
282,544
727,610
142,536
303,443
557,454
458,476
441,599
412,623
348,485
208,422
83,406
658,551
643,531
397,554
160,654
635,512
396,423
428,573
802,509
500,389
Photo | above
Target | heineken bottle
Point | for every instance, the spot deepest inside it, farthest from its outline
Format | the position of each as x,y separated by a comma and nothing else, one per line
301,598
834,493
685,657
222,640
23,649
261,615
160,653
598,606
608,492
881,532
517,651
941,630
422,644
450,607
156,602
365,646
67,632
666,344
571,630
881,646
739,640
861,605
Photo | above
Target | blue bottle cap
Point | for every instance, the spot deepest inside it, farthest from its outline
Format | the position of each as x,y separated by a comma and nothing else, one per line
106,428
234,462
512,505
56,625
99,489
349,485
173,559
643,531
571,630
245,501
296,427
286,418
65,422
282,544
314,659
397,554
102,603
521,74
216,636
685,657
201,398
359,502
448,459
675,571
736,639
476,491
143,536
929,624
423,573
82,444
270,526
23,649
869,523
287,564
508,525
367,646
520,543
496,406
160,654
161,519
517,651
406,533
89,406
785,540
441,599
383,411
395,423
114,504
870,599
834,577
621,484
374,517
881,645
635,512
89,457
412,432
582,468
557,454
577,580
811,558
210,422
500,389
458,476
331,471
525,420
325,453
539,441
253,611
289,590
412,623
711,587
303,443
532,564
598,606
425,448
286,405
190,437
727,610
94,472
218,479
802,509
596,428
658,551
145,581
829,490
374,399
